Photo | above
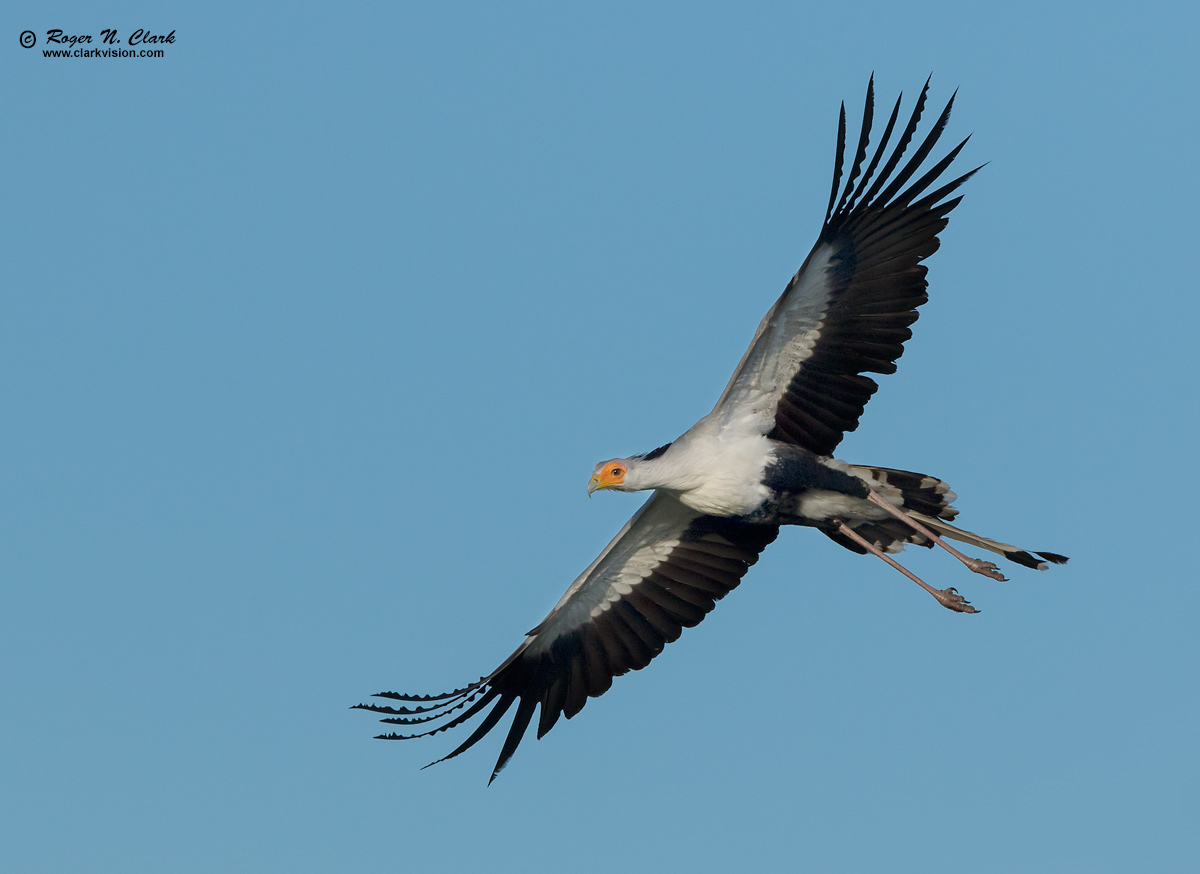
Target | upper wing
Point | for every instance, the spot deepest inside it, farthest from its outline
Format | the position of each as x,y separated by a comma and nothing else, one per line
662,573
848,308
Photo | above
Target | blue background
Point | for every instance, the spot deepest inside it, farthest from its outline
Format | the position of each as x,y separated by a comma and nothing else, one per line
313,330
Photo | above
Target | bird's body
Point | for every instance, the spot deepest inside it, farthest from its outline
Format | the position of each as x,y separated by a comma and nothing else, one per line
762,459
711,471
720,472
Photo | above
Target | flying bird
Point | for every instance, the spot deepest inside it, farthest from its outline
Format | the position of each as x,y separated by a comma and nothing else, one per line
761,459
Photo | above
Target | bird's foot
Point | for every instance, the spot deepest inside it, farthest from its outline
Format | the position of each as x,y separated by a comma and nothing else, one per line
951,600
987,568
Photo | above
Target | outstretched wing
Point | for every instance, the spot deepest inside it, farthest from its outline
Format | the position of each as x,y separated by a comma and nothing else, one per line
848,309
666,569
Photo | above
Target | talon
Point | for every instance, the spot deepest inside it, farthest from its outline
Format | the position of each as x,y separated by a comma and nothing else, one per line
951,600
988,569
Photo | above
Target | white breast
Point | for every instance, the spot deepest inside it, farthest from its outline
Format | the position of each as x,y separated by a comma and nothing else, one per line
719,473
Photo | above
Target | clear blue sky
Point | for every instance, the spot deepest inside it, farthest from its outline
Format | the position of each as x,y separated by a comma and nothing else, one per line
312,330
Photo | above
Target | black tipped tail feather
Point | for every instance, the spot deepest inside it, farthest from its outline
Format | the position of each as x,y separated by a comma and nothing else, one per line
928,500
1039,561
669,566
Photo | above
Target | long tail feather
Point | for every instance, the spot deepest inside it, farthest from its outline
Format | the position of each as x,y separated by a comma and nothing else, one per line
1012,553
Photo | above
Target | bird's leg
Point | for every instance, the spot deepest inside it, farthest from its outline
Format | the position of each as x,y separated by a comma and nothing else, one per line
979,566
948,598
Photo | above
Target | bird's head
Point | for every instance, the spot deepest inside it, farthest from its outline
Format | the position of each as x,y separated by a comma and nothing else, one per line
611,475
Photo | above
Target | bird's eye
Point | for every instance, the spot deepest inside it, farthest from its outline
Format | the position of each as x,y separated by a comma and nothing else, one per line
616,471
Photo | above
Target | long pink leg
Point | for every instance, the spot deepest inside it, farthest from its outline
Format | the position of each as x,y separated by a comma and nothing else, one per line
948,598
979,566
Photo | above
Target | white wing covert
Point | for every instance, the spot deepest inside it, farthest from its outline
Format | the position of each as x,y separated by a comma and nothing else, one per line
848,309
662,573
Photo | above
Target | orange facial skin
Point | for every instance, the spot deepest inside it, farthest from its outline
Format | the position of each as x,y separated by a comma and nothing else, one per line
607,475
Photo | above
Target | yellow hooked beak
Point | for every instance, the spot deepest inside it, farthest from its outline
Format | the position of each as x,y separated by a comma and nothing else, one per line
606,479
